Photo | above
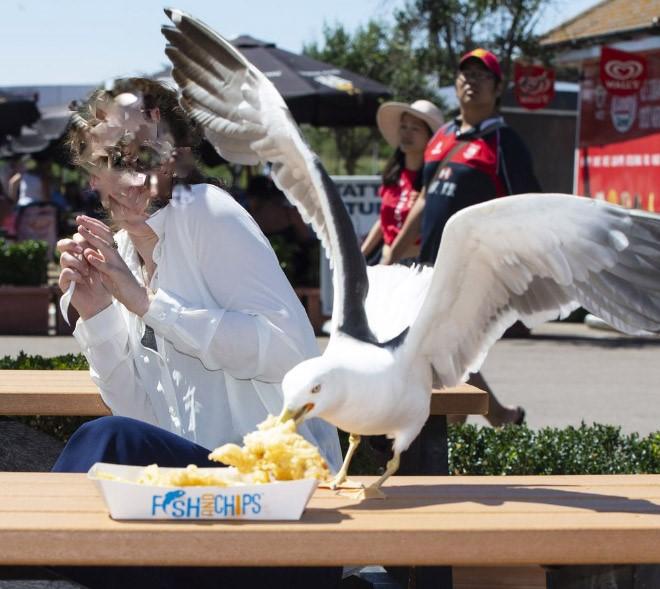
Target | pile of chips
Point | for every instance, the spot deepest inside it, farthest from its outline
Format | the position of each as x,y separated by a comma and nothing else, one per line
274,452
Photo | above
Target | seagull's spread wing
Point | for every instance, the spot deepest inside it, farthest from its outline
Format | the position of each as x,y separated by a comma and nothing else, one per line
535,257
396,294
247,121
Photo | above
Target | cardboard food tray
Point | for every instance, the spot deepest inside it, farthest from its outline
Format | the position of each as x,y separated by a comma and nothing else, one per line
280,500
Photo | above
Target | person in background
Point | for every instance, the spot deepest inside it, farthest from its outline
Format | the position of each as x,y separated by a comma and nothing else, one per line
407,128
292,240
33,184
6,205
472,159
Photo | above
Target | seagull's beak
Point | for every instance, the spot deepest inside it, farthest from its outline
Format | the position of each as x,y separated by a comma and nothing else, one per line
297,416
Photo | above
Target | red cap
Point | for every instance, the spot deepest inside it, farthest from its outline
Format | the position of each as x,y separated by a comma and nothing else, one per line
485,57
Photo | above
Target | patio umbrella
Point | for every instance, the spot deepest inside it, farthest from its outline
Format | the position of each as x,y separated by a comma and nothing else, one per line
45,137
315,92
14,113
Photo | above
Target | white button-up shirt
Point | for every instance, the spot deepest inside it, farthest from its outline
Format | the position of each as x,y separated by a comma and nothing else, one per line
228,327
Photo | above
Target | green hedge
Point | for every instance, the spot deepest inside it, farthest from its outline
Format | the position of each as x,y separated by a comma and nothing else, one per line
473,450
25,362
24,263
518,450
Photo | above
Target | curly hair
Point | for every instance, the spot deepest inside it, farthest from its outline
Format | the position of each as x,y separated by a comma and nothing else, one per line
185,131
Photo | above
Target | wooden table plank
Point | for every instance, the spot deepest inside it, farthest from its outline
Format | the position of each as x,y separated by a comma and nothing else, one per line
465,521
72,392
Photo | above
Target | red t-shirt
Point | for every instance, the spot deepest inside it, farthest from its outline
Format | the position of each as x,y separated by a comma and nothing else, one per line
397,202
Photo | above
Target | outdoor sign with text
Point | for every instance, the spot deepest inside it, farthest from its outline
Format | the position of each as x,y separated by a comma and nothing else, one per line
360,195
618,155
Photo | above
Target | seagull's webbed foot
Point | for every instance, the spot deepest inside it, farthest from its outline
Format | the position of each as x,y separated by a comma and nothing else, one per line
374,491
340,481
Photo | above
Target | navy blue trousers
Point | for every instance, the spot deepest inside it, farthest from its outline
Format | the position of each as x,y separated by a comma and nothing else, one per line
122,440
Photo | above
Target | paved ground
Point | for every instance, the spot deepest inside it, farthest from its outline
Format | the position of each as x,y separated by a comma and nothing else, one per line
563,374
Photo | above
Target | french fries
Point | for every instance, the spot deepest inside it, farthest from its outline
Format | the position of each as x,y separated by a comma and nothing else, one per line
274,452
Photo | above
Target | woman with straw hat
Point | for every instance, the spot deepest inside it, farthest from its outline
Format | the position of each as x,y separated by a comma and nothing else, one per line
407,128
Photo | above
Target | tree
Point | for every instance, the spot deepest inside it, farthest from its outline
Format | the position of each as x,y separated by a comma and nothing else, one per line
451,27
379,52
421,51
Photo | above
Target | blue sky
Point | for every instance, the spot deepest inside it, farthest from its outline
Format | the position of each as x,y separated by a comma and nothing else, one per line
81,42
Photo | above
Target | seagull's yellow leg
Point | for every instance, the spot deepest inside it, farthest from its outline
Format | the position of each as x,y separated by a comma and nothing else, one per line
340,479
373,491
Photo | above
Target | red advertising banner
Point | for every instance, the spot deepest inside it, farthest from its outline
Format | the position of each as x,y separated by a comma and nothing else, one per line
534,85
625,173
618,156
608,118
622,73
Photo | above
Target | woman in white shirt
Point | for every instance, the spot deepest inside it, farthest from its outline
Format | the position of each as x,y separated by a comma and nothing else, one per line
187,320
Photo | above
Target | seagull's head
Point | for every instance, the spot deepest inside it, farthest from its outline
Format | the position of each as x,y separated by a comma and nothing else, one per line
310,390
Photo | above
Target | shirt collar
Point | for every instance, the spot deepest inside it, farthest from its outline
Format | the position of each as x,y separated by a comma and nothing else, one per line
482,126
157,221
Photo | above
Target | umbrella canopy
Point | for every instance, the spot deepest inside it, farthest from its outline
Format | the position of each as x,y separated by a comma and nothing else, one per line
45,137
14,113
315,92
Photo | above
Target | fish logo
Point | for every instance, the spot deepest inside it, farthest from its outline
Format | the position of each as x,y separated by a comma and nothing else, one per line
170,497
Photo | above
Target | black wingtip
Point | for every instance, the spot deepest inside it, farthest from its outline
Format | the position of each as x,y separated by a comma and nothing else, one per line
170,33
175,15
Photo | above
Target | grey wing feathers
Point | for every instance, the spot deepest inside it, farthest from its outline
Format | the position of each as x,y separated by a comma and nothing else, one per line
247,121
535,258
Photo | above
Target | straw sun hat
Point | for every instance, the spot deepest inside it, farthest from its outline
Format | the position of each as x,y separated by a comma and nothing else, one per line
389,114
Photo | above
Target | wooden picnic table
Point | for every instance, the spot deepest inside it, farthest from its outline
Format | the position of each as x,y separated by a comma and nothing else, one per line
72,392
60,519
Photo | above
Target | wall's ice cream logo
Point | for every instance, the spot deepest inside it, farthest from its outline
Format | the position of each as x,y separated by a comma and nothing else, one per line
622,73
534,85
177,504
623,110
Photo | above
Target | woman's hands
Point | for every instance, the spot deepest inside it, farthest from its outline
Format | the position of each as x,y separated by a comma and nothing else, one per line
102,256
91,260
91,296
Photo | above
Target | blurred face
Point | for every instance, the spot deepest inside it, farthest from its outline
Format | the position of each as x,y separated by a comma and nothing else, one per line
129,155
477,86
414,134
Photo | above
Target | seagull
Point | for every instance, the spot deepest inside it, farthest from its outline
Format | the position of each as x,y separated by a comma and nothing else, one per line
397,331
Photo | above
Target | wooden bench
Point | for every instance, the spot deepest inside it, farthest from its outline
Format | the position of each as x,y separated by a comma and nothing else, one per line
60,519
72,392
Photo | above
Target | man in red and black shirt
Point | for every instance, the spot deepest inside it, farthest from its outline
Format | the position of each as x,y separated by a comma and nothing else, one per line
480,163
473,159
470,160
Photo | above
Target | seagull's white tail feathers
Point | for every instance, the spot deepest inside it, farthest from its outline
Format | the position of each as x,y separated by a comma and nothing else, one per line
396,294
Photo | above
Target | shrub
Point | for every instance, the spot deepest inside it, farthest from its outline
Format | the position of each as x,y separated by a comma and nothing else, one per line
24,263
25,362
518,450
